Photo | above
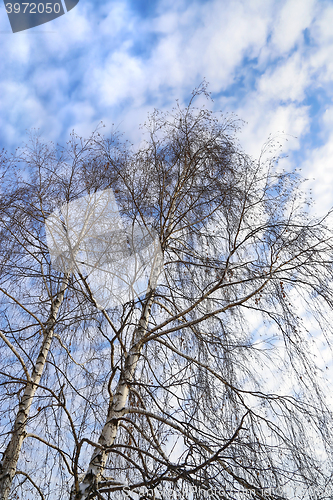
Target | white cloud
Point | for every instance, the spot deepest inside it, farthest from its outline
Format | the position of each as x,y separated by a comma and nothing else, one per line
121,76
319,166
289,23
322,24
264,117
287,81
89,69
209,41
22,107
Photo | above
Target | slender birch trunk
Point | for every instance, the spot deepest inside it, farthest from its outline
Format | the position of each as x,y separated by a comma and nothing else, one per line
10,457
84,488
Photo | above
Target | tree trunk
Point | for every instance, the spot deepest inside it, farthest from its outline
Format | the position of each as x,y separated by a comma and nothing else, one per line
11,455
99,457
85,487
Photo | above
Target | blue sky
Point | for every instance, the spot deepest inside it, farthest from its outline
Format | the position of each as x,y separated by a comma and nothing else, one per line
271,62
268,61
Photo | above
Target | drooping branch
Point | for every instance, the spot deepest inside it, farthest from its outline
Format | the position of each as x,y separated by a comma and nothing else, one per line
11,454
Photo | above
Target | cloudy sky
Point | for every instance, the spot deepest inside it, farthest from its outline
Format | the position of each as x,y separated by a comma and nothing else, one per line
268,61
271,62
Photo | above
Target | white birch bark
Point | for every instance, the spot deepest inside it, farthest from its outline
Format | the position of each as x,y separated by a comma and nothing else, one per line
10,457
89,483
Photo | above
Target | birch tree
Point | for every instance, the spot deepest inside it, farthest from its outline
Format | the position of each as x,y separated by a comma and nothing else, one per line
31,295
203,383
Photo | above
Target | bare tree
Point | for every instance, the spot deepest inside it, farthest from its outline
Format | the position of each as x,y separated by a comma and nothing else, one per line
31,294
168,392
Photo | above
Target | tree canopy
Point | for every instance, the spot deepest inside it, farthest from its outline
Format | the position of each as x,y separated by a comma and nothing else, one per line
202,383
